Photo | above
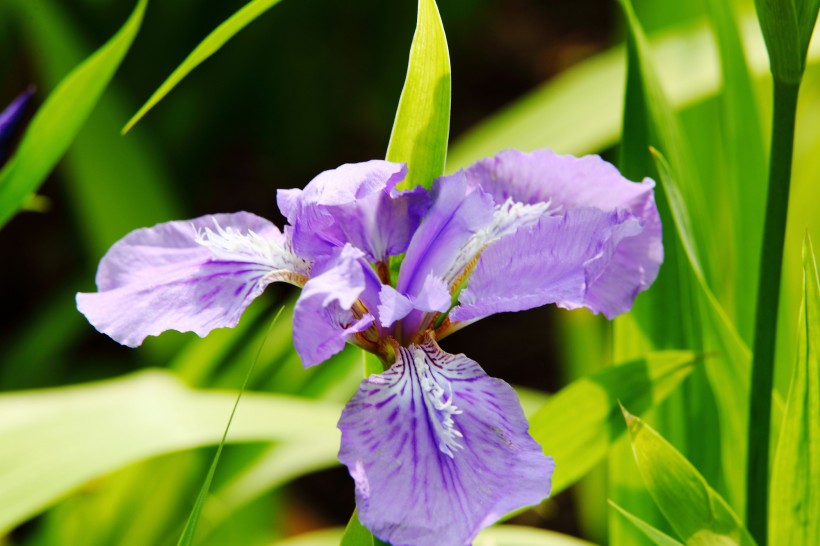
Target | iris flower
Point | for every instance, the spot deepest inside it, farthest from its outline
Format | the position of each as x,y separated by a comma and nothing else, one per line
437,448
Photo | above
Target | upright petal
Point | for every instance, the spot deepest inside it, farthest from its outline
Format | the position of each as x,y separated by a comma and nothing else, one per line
438,450
324,316
358,204
458,213
190,276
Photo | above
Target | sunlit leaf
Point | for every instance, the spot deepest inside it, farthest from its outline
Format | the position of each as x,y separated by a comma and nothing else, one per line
697,513
357,534
60,118
422,124
658,537
207,47
577,425
795,497
111,424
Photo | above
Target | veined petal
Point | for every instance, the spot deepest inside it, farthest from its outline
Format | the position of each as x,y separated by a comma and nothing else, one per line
438,450
324,316
521,271
190,276
556,261
433,296
358,204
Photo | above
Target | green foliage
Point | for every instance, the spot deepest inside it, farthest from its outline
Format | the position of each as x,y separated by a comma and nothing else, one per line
658,537
577,425
422,125
114,423
697,513
60,118
357,535
795,498
210,45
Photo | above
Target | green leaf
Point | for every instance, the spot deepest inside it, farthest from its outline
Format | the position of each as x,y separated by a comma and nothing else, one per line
778,21
795,497
658,537
806,11
357,534
422,125
577,425
697,513
207,47
111,424
60,118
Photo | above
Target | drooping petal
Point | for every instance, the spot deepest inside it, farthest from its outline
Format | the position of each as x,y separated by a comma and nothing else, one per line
438,450
190,276
555,261
10,119
358,204
630,256
324,316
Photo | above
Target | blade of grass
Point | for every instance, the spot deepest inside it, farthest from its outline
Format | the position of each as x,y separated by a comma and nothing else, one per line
60,118
187,537
795,498
422,125
207,47
697,513
655,535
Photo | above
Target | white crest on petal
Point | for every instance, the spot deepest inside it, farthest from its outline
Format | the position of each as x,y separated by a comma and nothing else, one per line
509,217
442,406
231,245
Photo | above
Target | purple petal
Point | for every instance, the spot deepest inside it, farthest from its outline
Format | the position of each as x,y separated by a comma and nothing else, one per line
190,276
564,180
10,120
457,214
393,306
324,317
510,277
555,261
438,450
357,204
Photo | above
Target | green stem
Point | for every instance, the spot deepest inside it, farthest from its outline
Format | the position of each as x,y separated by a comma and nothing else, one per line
768,296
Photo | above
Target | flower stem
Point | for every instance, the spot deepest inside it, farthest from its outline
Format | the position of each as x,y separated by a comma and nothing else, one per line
771,258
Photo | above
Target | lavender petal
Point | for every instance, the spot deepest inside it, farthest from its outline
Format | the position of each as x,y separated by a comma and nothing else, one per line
190,276
438,450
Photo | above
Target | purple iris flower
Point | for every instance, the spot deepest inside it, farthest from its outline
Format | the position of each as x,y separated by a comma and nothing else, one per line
10,120
437,448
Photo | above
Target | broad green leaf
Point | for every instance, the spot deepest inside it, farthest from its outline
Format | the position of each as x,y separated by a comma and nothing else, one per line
60,118
357,535
658,537
422,125
806,11
577,425
111,424
207,47
795,497
697,513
